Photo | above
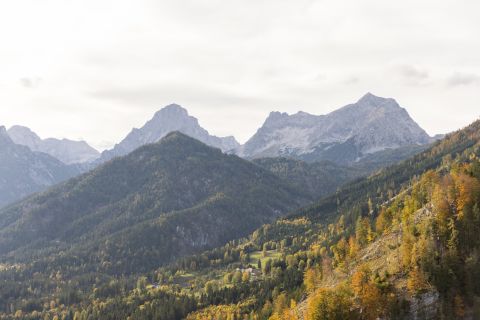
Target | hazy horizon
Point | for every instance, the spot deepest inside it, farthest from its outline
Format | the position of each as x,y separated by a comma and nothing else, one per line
128,130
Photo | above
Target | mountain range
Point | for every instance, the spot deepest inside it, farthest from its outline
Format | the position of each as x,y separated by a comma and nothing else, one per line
367,135
23,171
170,118
347,135
127,239
184,229
67,151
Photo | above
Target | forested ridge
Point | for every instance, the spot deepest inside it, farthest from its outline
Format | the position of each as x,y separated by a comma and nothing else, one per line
179,194
399,244
317,179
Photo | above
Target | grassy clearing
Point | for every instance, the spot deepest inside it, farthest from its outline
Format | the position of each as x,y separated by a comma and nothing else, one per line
258,255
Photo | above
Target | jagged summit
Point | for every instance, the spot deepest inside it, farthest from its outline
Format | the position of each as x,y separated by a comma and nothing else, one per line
274,117
22,129
24,136
65,150
170,118
4,138
23,171
3,131
344,136
370,100
173,110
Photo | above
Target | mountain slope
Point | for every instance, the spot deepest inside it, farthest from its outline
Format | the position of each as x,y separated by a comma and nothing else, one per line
67,151
344,136
23,172
400,244
162,201
396,245
392,179
171,118
318,179
415,255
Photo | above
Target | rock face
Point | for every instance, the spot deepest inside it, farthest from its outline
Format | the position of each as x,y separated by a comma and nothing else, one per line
344,136
171,118
23,172
67,151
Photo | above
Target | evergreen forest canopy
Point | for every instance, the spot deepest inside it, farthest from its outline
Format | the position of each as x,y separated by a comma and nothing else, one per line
399,244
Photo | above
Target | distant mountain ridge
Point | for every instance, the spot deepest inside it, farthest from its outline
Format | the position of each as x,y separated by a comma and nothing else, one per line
348,136
23,172
367,135
344,136
65,150
170,118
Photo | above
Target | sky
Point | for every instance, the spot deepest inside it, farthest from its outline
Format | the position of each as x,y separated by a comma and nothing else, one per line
93,70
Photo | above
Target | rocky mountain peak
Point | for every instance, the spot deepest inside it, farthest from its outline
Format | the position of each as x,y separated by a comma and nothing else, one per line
282,119
371,101
23,171
170,118
302,114
4,138
22,130
172,110
24,136
65,150
275,117
372,124
370,98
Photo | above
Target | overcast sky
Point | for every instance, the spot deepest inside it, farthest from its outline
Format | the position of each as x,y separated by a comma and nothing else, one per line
93,69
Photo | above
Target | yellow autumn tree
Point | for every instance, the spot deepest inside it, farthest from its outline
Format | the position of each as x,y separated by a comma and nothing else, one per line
312,278
368,294
416,281
328,304
353,247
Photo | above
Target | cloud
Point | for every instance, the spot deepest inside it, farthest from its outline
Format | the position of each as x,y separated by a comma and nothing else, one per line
463,79
412,74
30,83
229,62
163,93
352,80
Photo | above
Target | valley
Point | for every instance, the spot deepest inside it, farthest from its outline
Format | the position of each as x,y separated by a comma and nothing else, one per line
178,229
